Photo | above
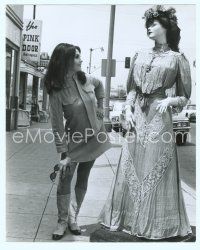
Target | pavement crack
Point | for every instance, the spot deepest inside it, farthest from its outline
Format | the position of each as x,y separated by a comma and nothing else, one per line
43,213
17,152
109,163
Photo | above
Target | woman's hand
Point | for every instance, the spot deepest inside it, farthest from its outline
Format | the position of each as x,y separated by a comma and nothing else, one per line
63,165
100,113
163,105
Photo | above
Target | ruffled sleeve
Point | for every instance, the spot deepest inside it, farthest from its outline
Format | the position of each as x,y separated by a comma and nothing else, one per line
183,83
130,85
181,91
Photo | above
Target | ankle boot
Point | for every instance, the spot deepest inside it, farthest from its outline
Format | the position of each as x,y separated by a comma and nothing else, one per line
74,209
63,202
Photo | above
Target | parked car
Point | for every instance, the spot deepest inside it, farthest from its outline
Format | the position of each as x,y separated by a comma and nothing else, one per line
181,127
190,112
116,116
193,117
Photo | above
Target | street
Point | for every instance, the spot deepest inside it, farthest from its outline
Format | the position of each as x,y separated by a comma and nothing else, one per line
187,159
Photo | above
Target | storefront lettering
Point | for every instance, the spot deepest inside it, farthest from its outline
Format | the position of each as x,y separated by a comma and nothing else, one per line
30,25
31,38
33,48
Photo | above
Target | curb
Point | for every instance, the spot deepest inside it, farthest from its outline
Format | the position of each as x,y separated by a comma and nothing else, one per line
190,191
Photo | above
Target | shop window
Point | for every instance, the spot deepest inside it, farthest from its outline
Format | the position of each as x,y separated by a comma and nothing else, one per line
11,68
29,92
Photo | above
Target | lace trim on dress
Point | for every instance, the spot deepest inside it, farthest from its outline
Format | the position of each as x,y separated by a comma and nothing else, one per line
140,190
152,179
132,180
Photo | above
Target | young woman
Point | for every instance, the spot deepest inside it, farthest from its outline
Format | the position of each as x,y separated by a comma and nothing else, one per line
83,138
146,199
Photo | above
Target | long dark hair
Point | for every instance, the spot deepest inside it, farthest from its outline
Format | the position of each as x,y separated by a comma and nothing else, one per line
62,58
173,31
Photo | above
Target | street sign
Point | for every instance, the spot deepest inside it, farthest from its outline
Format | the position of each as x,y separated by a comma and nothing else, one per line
104,66
31,40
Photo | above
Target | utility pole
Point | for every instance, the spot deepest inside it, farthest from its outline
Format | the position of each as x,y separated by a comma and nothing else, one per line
108,68
34,11
90,62
35,84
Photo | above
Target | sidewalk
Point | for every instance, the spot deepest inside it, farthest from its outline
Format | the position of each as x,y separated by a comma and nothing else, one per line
31,197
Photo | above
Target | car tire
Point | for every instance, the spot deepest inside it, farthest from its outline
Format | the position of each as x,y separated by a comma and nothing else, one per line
181,140
185,138
116,129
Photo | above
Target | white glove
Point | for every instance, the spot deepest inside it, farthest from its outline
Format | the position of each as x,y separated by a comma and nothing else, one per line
163,105
179,101
130,118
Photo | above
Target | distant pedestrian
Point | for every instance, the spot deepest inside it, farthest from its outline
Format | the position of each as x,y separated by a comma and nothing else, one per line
79,99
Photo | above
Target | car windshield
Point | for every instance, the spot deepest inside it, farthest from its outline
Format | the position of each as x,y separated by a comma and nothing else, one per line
191,107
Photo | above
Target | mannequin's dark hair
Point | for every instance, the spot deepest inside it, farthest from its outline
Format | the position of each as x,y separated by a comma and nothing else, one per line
173,31
62,58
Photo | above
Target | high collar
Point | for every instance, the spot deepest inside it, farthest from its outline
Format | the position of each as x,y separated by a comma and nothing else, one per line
161,47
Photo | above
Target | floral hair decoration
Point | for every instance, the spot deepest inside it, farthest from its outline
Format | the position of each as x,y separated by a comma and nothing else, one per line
159,11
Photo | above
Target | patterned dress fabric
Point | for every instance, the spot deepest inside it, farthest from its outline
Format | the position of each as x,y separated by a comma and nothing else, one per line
145,198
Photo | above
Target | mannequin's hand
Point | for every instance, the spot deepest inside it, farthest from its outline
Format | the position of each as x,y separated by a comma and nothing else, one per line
100,113
130,118
163,105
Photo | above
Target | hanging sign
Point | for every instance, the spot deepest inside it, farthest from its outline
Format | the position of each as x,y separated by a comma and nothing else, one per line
31,40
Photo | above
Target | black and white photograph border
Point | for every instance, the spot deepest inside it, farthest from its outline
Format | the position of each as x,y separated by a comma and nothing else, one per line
112,157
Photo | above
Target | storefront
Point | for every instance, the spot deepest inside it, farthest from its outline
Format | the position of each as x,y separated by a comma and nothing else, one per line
31,89
44,61
32,97
14,26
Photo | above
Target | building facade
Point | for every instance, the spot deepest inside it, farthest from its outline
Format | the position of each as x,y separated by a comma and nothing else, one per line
14,26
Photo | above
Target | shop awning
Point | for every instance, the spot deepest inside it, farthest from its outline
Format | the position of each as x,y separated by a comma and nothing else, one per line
27,68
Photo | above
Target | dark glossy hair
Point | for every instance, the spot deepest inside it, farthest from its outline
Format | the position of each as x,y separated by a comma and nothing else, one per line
173,31
61,60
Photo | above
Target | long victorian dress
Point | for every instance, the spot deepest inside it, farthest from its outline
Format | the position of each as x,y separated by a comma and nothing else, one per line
145,198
